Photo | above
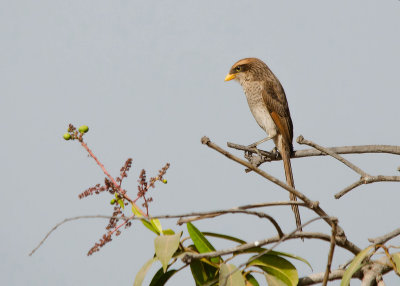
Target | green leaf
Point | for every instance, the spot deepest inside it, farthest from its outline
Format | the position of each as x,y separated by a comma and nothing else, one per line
273,280
142,272
121,203
223,236
136,211
279,253
168,231
396,260
251,280
278,267
165,246
202,272
147,224
201,243
354,266
227,278
160,278
156,224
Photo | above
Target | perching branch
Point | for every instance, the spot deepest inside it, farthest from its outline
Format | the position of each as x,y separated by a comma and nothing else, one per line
332,151
361,149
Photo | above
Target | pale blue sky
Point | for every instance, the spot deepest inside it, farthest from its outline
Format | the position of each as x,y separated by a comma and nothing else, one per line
148,79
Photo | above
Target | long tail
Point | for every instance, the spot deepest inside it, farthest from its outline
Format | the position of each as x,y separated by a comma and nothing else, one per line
285,151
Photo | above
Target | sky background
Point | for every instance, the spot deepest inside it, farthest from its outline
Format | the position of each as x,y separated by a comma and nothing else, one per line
147,77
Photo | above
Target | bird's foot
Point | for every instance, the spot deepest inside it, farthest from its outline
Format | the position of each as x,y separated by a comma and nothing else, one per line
275,153
255,160
253,147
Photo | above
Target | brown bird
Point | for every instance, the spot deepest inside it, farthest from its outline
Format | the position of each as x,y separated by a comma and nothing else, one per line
268,104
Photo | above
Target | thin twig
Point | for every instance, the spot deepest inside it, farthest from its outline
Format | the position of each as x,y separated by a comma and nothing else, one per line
384,238
271,204
330,255
356,169
121,225
367,180
348,189
211,215
64,221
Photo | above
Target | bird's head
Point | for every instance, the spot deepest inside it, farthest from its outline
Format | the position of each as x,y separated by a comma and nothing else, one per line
248,69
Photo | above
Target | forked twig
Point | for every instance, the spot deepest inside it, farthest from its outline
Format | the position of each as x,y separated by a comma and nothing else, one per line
365,178
356,169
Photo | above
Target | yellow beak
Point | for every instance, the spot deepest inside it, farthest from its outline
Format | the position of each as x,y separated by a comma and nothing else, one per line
230,77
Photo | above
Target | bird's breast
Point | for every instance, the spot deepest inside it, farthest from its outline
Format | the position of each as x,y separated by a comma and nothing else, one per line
258,108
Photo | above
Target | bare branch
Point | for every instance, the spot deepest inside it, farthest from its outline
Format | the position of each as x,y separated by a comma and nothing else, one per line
367,180
64,221
389,149
348,189
319,277
222,212
330,255
366,273
301,140
372,272
271,204
384,238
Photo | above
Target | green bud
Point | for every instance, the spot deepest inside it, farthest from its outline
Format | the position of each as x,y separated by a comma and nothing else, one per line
67,136
112,201
164,181
83,129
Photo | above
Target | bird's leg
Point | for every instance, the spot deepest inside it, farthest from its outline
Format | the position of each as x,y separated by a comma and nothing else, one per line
254,145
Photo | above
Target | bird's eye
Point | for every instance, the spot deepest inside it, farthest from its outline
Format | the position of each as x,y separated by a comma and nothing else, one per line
238,69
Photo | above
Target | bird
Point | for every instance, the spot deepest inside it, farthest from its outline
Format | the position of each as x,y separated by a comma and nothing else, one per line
268,104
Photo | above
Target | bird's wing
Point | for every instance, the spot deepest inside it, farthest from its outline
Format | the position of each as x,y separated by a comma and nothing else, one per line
275,100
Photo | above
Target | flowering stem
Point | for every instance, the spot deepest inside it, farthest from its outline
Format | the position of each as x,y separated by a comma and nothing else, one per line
117,187
122,224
